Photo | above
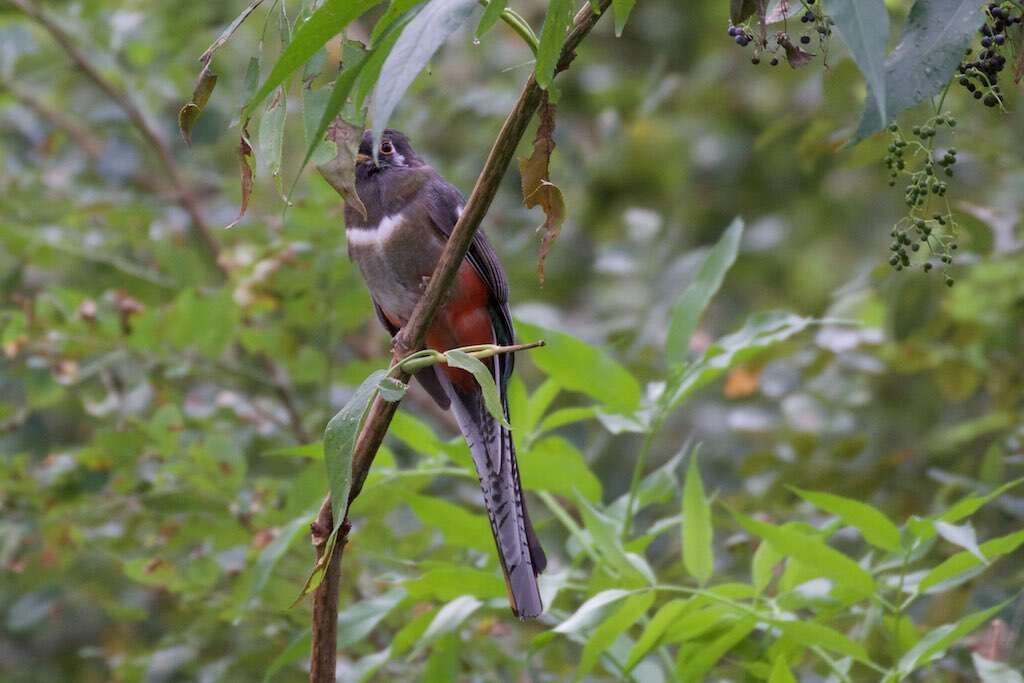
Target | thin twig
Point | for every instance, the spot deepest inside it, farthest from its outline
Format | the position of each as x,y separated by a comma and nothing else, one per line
186,197
411,337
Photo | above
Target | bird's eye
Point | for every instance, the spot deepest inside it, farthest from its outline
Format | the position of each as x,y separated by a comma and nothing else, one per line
386,148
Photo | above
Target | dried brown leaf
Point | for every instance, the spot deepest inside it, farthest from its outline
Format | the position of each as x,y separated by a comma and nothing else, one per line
340,172
245,166
795,55
538,190
188,114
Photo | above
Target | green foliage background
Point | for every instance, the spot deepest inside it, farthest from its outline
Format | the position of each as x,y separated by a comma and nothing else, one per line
159,457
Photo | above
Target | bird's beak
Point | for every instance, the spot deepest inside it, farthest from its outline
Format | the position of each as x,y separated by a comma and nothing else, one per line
363,158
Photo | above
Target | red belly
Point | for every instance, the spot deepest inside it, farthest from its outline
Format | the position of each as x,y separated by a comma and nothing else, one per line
464,321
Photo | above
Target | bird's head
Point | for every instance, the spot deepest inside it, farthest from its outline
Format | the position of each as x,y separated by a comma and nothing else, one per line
393,151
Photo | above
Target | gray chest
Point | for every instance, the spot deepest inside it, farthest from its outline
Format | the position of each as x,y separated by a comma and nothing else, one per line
395,257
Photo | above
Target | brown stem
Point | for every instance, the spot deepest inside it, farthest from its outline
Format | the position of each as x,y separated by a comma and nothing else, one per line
412,335
149,133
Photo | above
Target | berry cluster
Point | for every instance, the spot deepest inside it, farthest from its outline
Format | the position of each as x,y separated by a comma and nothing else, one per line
916,158
981,76
812,16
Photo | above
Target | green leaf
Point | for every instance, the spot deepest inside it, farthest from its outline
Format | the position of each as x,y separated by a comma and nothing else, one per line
934,39
392,389
275,550
812,552
621,10
864,26
271,133
449,618
762,565
688,309
590,611
339,441
603,636
552,37
460,526
666,615
935,643
578,366
553,464
484,376
706,656
395,10
326,22
876,528
314,103
968,505
448,583
780,672
812,633
964,564
757,335
410,634
492,13
698,534
607,542
420,39
357,621
339,94
565,416
297,649
698,622
962,535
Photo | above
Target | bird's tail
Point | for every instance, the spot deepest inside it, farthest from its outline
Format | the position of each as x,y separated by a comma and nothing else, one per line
519,550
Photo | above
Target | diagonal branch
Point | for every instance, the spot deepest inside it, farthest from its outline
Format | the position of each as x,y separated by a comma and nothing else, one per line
411,338
186,197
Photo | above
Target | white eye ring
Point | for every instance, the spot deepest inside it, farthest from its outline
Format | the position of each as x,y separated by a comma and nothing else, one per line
387,148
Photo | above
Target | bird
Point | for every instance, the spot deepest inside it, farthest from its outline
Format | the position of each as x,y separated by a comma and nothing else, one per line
410,211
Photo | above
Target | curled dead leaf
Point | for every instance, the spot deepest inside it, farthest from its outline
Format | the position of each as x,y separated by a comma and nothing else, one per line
188,114
340,172
245,165
538,190
795,55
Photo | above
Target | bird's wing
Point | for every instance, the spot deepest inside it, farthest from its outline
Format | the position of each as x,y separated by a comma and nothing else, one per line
444,204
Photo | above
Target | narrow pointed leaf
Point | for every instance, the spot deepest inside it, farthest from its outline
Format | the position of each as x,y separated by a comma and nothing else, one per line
876,528
327,21
492,13
601,639
340,439
688,309
420,39
484,376
652,633
815,554
938,640
698,534
552,37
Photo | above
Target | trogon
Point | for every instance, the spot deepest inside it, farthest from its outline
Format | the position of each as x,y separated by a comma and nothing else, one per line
410,212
